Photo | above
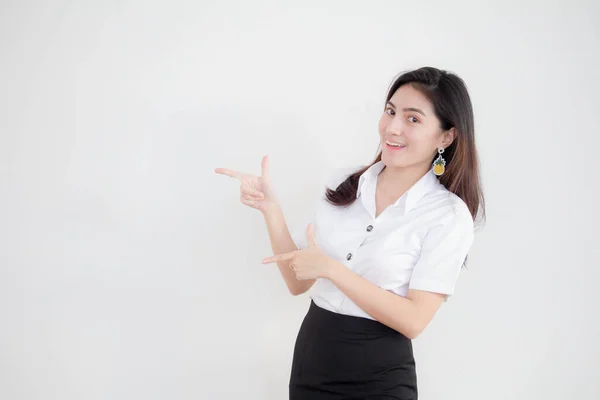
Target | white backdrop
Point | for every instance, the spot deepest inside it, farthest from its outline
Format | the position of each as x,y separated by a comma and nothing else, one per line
129,270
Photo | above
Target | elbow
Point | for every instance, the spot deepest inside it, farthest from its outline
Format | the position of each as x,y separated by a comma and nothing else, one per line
297,292
413,331
412,334
300,288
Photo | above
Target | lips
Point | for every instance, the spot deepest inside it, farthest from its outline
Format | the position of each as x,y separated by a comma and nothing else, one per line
394,145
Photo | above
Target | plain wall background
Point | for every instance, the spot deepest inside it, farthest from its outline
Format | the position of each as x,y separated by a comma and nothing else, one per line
129,270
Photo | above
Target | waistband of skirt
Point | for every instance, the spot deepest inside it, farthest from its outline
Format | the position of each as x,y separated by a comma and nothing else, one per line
349,322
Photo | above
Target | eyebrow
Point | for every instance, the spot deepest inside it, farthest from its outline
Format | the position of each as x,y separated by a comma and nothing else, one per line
408,109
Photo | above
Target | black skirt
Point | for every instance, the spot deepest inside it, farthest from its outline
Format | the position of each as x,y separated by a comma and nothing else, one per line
345,357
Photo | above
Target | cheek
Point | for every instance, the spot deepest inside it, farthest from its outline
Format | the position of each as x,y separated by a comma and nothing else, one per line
381,128
420,147
413,139
419,140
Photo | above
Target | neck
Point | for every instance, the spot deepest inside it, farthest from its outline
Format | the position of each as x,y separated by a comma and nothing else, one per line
395,181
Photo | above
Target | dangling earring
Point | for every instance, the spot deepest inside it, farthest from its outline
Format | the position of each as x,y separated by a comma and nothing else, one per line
439,165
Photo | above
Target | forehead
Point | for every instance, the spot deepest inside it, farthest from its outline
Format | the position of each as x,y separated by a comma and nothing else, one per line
408,96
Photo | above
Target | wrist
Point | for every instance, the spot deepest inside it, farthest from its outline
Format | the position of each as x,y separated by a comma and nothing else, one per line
333,269
271,208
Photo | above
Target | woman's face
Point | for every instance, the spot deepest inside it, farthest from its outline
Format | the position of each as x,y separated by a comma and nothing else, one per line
409,130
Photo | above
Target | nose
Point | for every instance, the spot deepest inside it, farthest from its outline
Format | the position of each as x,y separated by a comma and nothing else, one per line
394,127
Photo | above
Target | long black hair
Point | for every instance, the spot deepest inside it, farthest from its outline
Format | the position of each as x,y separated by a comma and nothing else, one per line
452,106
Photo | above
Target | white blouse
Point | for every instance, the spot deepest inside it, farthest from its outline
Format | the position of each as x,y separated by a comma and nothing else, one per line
419,242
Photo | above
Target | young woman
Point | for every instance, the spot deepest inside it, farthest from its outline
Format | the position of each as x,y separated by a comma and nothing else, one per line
386,245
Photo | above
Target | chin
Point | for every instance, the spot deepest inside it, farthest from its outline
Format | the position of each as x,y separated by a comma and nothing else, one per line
391,161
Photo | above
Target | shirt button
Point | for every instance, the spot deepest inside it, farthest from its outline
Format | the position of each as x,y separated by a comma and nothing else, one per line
369,228
349,256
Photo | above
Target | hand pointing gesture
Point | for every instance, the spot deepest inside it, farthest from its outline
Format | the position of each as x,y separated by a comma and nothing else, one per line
308,263
255,191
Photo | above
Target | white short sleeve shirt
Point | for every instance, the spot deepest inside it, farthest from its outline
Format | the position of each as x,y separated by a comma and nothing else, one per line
419,242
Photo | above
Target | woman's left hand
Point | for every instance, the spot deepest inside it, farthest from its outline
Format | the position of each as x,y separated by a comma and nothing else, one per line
308,263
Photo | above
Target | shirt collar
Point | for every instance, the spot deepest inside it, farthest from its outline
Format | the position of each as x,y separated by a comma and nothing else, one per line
370,176
412,196
427,183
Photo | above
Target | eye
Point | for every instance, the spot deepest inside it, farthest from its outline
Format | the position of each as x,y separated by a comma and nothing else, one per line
414,119
389,110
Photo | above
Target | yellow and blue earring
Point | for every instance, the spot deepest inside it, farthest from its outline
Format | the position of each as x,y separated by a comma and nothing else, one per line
439,165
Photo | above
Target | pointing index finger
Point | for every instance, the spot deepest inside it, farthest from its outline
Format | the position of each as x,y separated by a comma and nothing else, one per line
279,257
229,172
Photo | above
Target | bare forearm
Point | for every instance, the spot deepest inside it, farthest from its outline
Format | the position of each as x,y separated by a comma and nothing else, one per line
282,242
397,312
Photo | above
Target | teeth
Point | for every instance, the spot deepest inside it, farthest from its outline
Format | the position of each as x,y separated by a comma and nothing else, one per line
394,144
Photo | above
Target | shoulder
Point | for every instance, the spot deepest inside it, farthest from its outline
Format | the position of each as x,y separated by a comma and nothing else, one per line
447,223
451,208
459,207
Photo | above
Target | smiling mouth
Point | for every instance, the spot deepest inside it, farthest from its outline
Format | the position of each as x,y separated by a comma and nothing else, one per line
394,146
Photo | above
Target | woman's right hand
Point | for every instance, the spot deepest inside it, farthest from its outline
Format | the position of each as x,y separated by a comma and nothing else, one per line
255,191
